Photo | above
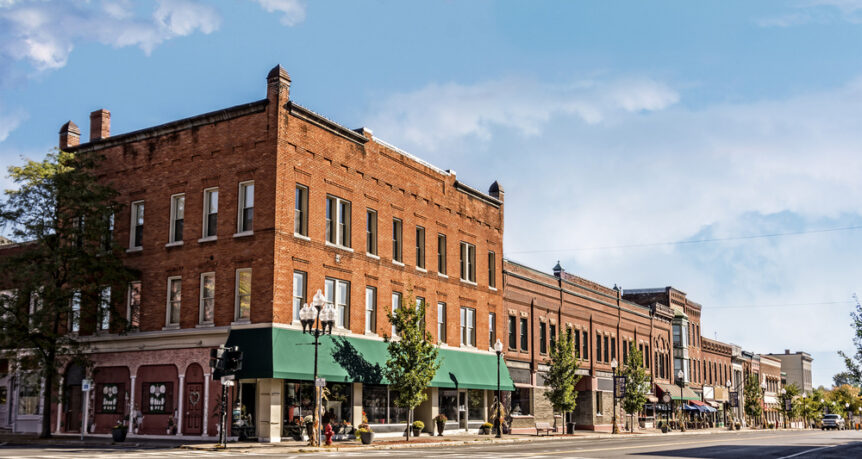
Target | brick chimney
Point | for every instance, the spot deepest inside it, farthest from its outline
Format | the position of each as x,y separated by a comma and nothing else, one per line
70,135
100,124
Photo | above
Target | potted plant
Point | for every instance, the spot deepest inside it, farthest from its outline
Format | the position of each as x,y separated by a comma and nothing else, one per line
172,426
485,429
417,428
737,425
120,430
308,421
440,420
364,432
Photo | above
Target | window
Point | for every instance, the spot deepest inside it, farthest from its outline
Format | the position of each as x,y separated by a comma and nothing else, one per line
396,240
543,338
371,232
158,397
513,332
370,310
677,335
586,342
210,212
75,320
577,336
396,303
137,227
598,347
625,353
300,212
521,398
646,356
420,247
105,309
108,398
108,238
468,262
468,326
178,211
600,406
133,305
175,290
420,307
613,348
245,219
492,329
441,322
207,306
243,294
338,295
441,254
524,337
28,394
298,293
337,221
607,350
553,329
492,270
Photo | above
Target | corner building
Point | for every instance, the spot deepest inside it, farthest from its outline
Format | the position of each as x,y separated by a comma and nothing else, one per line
235,219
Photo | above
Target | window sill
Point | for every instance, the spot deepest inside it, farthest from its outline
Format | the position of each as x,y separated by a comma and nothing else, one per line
465,281
444,276
421,270
371,255
493,289
209,325
134,249
174,244
207,239
171,327
240,322
244,234
397,263
339,247
300,236
370,333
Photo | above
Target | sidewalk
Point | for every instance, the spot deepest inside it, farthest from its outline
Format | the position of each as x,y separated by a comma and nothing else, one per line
9,439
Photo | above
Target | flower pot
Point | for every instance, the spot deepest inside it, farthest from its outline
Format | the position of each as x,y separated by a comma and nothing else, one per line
441,426
416,431
119,434
366,437
664,428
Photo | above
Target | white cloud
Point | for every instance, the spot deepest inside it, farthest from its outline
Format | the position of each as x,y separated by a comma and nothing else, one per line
9,122
818,12
44,33
292,11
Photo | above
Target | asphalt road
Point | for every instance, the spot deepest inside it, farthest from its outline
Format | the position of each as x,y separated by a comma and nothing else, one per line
784,445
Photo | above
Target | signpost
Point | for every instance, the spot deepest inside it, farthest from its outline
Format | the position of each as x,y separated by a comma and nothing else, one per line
734,399
86,385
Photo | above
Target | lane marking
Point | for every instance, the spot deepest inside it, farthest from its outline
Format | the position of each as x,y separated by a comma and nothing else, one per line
807,451
639,447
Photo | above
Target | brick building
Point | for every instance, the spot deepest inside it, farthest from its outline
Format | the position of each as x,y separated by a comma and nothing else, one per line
718,373
282,202
771,386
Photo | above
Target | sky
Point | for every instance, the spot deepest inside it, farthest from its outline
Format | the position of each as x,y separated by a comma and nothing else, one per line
643,144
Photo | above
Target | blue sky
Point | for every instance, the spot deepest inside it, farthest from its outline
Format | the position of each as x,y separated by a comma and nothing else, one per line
610,124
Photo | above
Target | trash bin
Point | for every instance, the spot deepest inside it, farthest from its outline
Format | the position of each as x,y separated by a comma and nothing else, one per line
570,427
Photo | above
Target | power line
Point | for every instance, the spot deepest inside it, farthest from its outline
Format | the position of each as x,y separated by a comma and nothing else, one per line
785,305
695,241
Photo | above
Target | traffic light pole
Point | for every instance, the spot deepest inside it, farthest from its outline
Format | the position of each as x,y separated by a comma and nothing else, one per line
222,437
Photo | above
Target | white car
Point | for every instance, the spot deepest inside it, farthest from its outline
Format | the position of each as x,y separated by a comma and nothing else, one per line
833,421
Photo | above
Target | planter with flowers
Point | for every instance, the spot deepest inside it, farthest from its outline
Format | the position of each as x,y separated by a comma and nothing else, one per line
417,428
440,420
120,430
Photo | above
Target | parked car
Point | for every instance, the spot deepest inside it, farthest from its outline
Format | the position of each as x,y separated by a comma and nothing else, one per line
833,421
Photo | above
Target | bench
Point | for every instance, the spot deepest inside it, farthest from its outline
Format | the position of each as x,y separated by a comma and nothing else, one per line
543,427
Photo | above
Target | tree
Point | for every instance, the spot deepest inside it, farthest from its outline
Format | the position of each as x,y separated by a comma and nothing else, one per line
791,391
853,374
412,359
562,375
843,396
753,398
637,385
62,271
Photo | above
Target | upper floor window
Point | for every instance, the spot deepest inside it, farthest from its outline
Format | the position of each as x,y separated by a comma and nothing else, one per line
441,254
136,235
133,305
613,348
586,343
207,300
577,336
468,262
75,320
553,339
420,247
337,221
371,232
175,290
492,270
598,347
300,213
338,295
178,211
245,220
525,329
607,349
468,326
492,328
543,338
396,303
513,332
298,293
105,309
210,212
370,309
243,294
396,240
441,322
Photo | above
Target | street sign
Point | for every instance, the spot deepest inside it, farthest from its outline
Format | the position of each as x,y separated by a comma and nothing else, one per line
788,404
320,382
86,384
619,386
734,399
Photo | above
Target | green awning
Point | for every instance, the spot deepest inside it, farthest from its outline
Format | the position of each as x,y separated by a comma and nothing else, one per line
674,392
289,354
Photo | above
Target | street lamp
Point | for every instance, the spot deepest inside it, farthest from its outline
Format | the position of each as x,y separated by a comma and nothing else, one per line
614,364
680,380
498,347
805,410
763,402
726,402
317,320
784,405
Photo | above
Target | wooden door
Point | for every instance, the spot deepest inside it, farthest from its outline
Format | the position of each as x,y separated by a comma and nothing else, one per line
194,407
73,405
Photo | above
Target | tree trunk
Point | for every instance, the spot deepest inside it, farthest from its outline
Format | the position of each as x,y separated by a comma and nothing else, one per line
409,423
46,397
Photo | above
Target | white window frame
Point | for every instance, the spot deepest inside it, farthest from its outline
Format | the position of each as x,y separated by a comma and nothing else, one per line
129,302
133,230
202,299
175,198
371,233
208,205
299,300
420,248
75,317
240,206
300,211
341,236
168,323
468,262
398,241
468,329
492,329
396,303
441,255
492,270
104,316
370,309
441,322
342,310
238,296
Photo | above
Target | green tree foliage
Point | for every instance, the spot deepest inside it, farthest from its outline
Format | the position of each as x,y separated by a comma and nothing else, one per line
412,359
64,215
753,397
562,375
637,385
846,400
853,374
791,392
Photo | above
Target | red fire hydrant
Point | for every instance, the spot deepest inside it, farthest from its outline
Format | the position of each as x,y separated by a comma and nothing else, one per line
328,433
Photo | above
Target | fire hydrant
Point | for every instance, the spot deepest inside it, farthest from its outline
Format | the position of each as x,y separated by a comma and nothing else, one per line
328,433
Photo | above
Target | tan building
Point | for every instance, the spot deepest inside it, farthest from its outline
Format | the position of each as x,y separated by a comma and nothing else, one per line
797,369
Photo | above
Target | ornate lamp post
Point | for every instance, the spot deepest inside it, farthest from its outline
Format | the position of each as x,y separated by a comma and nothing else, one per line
763,402
498,348
680,381
317,320
784,405
726,404
614,364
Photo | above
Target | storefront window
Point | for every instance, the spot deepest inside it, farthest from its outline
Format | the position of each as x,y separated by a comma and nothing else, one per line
374,403
475,402
298,400
28,395
449,404
338,403
396,414
158,398
521,402
109,395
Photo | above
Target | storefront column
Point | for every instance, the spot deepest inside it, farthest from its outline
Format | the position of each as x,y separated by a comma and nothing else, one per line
269,416
132,414
59,403
180,406
207,382
357,404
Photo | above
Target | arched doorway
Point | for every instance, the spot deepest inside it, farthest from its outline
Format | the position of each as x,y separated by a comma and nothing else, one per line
193,405
72,397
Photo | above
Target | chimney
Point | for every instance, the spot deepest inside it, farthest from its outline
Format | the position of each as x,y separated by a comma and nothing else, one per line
496,190
277,84
100,124
558,270
70,135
